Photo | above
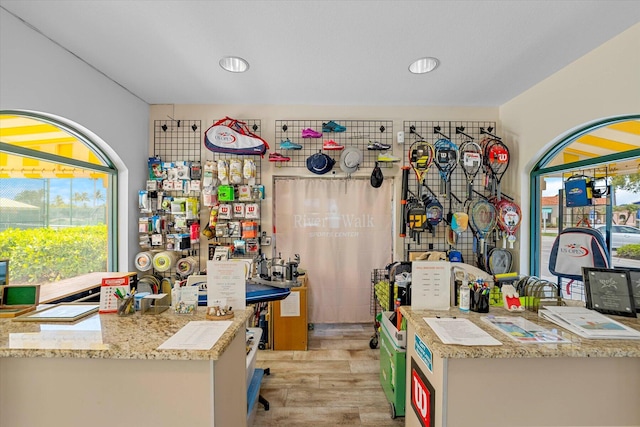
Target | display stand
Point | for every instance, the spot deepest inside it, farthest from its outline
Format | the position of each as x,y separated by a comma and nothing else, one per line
254,378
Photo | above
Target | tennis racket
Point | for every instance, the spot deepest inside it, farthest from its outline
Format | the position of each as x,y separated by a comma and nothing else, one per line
435,213
483,219
509,218
446,153
485,144
421,154
499,261
498,158
471,163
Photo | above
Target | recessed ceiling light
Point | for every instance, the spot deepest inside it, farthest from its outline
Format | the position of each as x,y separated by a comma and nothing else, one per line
424,65
234,64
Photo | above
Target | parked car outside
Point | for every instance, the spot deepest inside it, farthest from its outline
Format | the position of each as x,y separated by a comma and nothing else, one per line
621,235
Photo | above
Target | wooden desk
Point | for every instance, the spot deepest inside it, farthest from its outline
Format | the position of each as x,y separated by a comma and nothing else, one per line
83,287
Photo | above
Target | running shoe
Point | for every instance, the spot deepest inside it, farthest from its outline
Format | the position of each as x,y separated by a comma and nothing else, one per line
383,157
375,145
332,126
310,133
287,144
277,157
331,145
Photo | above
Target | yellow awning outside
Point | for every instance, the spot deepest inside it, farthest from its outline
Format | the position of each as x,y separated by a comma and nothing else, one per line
35,135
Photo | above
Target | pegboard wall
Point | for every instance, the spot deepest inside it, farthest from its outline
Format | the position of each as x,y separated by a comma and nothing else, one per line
255,126
358,133
457,132
176,140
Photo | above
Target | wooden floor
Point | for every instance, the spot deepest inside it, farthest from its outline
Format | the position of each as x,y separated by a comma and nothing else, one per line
335,383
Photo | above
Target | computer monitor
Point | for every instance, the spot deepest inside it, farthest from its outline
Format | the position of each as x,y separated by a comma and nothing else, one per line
4,272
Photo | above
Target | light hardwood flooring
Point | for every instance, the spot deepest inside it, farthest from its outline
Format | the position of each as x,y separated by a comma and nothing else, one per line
335,383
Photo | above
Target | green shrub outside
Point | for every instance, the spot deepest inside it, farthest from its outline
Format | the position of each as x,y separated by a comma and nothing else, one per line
42,255
629,251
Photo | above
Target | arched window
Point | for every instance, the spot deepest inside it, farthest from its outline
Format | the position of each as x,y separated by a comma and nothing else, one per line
57,199
608,150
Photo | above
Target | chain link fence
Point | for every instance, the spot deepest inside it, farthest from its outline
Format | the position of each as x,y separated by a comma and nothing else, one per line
49,203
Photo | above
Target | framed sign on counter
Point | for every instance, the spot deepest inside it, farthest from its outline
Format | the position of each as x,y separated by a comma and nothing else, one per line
608,291
634,274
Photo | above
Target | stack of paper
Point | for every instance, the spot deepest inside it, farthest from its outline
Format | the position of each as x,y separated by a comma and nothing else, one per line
588,323
460,331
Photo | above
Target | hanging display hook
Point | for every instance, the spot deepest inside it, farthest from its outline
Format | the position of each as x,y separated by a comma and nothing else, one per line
460,131
488,132
412,129
437,129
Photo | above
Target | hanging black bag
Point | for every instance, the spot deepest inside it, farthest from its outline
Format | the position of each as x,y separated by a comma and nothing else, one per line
376,176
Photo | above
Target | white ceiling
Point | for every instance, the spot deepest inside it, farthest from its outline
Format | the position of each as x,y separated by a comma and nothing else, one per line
328,52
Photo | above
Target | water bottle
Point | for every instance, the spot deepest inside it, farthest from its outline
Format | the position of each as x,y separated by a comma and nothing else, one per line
465,295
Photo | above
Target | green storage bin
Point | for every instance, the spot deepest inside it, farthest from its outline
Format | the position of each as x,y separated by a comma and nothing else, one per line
393,362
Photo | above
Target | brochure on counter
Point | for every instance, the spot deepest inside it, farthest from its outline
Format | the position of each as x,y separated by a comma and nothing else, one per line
459,331
197,335
587,323
523,331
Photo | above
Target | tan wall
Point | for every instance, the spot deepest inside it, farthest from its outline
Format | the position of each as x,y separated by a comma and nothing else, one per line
268,114
604,83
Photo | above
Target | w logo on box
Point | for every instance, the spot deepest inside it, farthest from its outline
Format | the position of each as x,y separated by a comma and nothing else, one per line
422,396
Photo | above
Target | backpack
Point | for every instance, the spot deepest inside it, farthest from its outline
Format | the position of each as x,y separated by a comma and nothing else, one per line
233,136
577,247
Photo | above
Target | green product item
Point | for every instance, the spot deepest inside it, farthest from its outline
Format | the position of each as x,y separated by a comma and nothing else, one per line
226,193
495,297
393,361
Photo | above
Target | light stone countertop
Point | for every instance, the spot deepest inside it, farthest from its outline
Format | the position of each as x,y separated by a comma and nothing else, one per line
579,347
130,337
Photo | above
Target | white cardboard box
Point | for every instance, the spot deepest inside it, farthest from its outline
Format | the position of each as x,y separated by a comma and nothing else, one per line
399,337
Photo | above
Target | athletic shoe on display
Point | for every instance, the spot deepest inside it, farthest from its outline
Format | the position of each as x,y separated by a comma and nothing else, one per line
375,145
332,145
287,144
277,157
332,126
387,158
310,133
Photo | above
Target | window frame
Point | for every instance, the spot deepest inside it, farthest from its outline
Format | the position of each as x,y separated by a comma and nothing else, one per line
108,167
540,169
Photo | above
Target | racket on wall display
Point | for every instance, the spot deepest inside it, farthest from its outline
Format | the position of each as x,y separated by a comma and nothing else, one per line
498,160
421,154
483,220
484,145
499,261
509,218
471,163
435,213
446,160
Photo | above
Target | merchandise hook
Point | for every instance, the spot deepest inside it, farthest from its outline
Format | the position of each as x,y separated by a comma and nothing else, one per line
460,130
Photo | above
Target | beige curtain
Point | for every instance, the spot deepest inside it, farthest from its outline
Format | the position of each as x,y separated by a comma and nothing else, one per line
342,229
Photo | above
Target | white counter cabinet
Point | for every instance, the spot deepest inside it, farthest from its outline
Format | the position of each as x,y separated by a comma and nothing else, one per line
124,380
583,383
